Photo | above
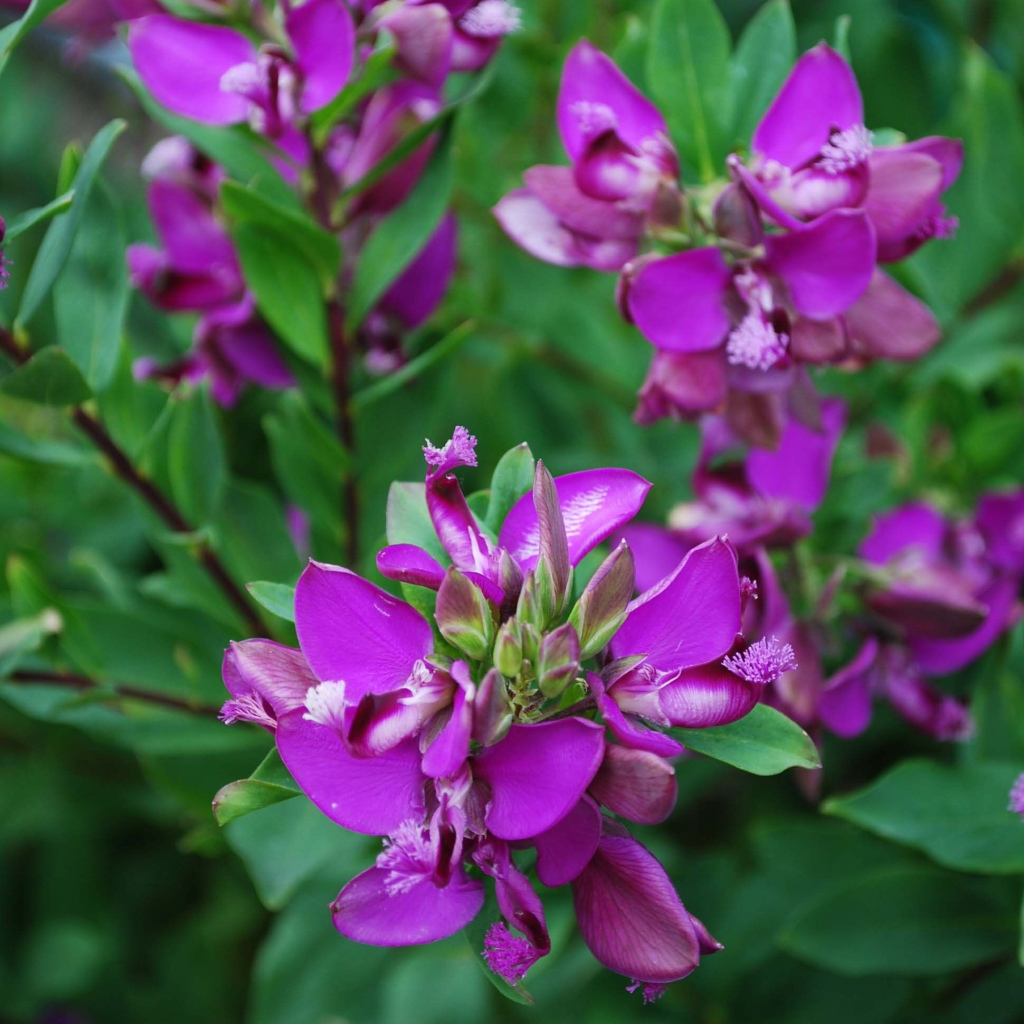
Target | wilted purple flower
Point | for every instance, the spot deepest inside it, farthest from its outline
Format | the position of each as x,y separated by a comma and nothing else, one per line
623,172
429,745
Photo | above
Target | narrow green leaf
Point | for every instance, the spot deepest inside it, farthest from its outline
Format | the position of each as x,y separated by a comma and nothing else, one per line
277,598
765,742
321,248
377,71
764,54
22,636
397,239
196,464
287,289
46,452
90,298
841,37
269,784
688,72
512,478
13,34
60,235
393,382
243,155
30,218
906,921
50,377
957,815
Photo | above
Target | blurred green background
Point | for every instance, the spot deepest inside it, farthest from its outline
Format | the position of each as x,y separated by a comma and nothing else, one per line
121,900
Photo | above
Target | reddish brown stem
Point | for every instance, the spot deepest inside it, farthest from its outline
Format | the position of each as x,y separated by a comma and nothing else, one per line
79,682
159,502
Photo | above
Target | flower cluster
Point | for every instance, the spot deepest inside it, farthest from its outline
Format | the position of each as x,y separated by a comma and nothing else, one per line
514,717
776,267
217,75
936,593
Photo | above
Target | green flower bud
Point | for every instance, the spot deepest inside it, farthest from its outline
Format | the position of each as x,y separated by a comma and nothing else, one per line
464,616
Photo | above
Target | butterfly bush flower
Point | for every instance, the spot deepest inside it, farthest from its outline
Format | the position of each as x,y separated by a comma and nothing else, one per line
517,715
775,267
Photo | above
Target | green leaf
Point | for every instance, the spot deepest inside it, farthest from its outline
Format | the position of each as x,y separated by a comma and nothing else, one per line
475,933
434,355
277,598
512,478
13,34
90,298
399,237
285,843
243,155
376,71
765,742
50,377
841,37
52,453
688,72
408,519
196,465
247,206
957,815
60,235
906,920
287,289
23,636
764,54
269,784
30,218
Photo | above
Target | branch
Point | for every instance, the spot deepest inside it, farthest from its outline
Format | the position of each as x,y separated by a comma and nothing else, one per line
79,682
159,502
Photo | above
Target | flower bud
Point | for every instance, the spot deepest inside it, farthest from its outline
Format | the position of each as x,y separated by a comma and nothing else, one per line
736,216
464,615
601,608
554,544
492,709
559,660
531,644
508,649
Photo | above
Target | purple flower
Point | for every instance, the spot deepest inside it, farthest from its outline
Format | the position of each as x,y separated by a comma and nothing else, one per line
1017,796
216,75
623,172
456,762
812,154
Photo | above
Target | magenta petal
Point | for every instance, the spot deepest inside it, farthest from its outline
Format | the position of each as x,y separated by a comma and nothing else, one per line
590,78
635,784
691,617
366,912
937,657
353,631
630,916
678,302
798,470
627,730
904,193
182,62
706,696
423,40
887,322
819,95
196,243
556,188
656,552
915,525
948,152
372,795
450,748
420,287
1000,521
454,523
681,384
279,674
845,703
828,265
323,35
408,563
595,503
537,773
565,849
